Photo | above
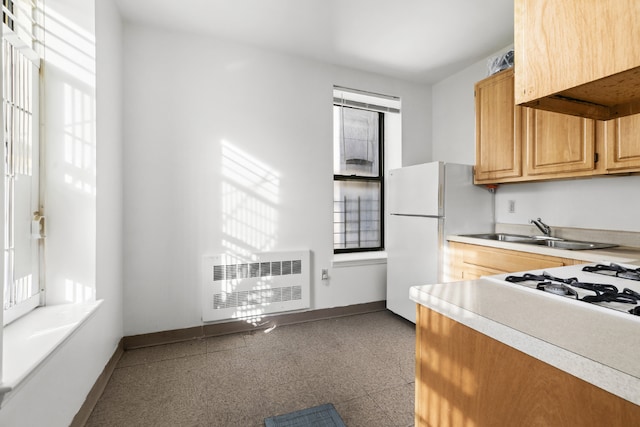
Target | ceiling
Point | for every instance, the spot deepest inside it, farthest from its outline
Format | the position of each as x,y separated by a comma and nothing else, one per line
417,40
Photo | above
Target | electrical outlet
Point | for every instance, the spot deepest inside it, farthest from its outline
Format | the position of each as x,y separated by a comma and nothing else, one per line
325,274
512,206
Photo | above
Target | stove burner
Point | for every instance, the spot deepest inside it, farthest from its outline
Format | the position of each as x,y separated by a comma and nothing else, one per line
595,287
603,292
614,270
633,293
527,277
557,288
569,281
573,281
611,297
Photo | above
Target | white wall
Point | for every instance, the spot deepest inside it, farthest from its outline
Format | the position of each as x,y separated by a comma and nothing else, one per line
109,179
454,114
57,389
599,203
70,151
604,203
206,123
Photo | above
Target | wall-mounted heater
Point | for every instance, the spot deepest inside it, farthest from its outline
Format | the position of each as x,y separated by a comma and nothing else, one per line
236,287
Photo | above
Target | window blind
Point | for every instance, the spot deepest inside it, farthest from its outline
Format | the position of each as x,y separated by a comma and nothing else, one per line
21,26
347,97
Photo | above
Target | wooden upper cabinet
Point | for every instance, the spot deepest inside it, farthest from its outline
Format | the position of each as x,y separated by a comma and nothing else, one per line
559,144
623,144
498,130
523,144
579,57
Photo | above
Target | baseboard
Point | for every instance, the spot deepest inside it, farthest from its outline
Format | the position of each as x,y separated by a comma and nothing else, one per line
163,337
217,329
82,416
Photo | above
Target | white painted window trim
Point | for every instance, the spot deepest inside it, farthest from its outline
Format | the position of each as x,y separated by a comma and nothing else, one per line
355,259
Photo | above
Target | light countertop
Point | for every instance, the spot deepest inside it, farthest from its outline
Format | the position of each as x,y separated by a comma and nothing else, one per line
593,343
619,254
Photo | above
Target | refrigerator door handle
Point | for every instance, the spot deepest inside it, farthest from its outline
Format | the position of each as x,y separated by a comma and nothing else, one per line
441,194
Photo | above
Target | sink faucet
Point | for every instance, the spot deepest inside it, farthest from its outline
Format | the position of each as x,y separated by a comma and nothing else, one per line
546,230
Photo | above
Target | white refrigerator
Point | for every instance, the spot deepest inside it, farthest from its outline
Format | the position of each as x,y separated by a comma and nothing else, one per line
426,203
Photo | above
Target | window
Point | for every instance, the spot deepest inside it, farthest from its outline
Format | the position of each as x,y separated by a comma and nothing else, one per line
22,242
358,178
7,13
359,120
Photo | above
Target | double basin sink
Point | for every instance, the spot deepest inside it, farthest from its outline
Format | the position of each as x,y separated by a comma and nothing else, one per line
552,242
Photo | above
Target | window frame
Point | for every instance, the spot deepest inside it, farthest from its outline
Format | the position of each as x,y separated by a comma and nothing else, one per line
19,299
366,179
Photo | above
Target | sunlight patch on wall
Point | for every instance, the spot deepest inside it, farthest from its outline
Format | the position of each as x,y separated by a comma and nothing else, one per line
70,47
250,173
69,112
250,195
249,199
79,145
76,292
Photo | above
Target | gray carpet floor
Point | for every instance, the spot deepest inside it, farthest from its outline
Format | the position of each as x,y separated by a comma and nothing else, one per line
362,364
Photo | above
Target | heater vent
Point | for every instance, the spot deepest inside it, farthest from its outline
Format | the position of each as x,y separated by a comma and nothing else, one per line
262,269
224,300
237,288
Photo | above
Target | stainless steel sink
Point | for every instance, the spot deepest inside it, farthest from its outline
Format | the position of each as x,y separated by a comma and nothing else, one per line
501,236
552,242
575,245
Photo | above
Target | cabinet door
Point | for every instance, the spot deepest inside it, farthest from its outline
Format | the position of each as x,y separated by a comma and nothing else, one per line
623,144
468,261
507,261
464,377
559,144
498,137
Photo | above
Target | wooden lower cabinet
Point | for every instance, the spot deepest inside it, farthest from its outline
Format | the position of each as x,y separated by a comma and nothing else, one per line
465,378
469,262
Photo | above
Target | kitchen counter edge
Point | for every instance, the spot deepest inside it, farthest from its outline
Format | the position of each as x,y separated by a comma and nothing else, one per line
619,383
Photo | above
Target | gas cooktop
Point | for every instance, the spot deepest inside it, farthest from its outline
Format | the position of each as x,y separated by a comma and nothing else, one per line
608,285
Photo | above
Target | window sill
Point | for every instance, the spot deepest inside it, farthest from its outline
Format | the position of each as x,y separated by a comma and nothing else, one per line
30,340
359,258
